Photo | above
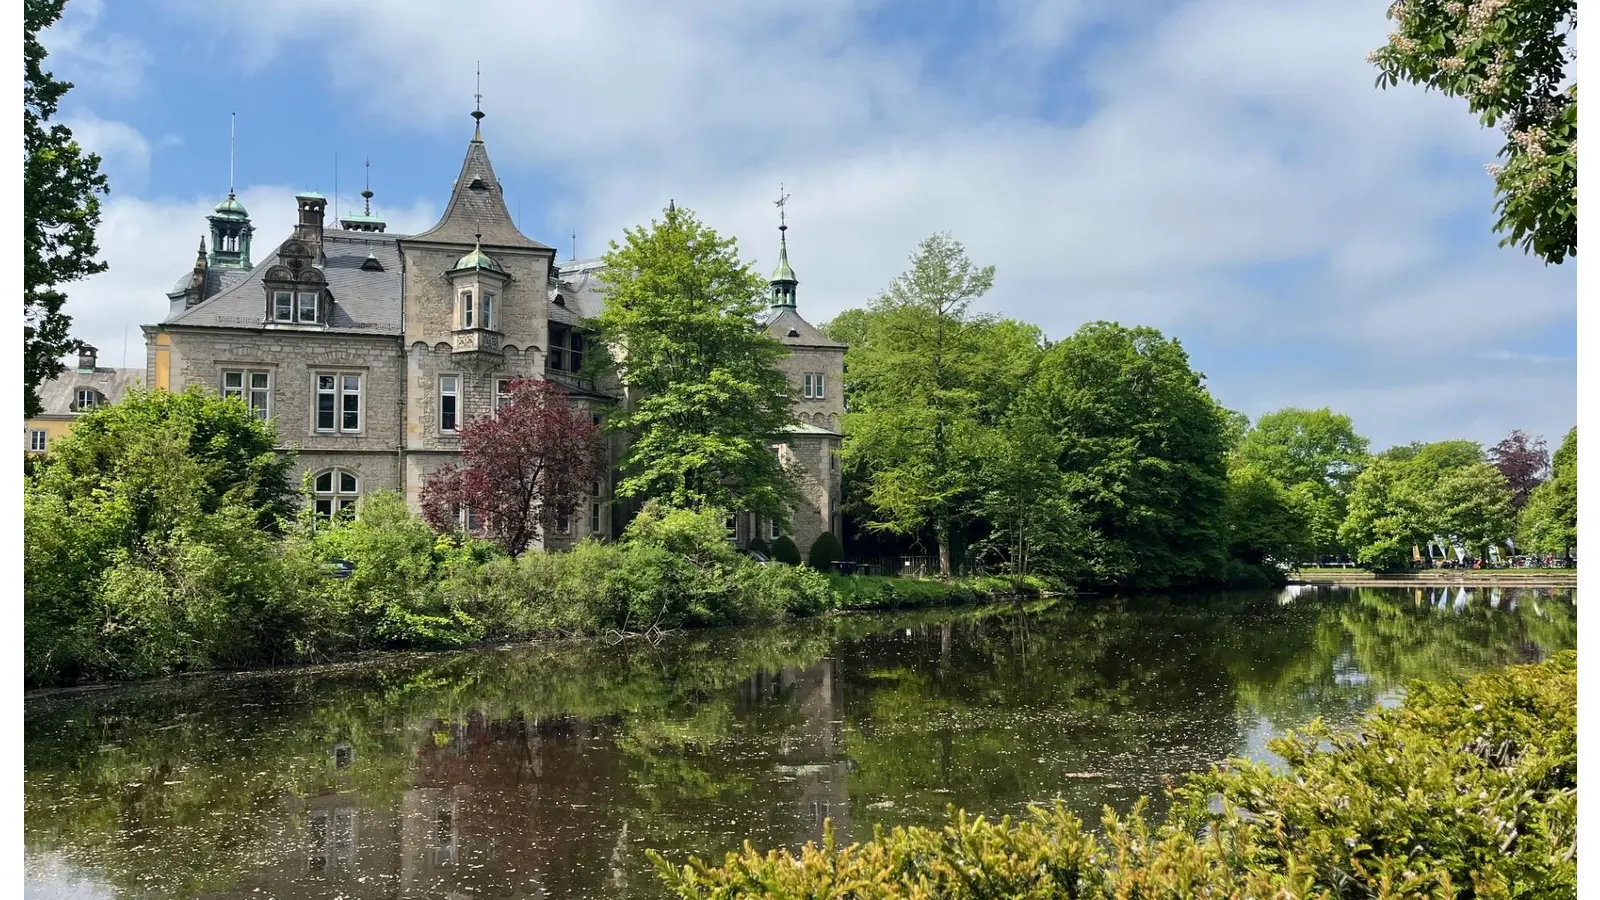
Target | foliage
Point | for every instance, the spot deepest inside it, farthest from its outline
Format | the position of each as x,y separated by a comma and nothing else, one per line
785,551
825,552
758,545
1409,495
1549,523
523,469
1261,523
147,538
1461,787
861,592
1142,445
1306,445
1509,60
681,312
914,392
1524,461
60,211
1025,497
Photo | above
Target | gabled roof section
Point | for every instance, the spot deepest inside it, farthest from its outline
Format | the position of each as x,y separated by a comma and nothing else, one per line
59,395
786,325
478,205
365,300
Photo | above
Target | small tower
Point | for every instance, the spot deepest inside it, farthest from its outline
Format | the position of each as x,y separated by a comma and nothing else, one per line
783,281
366,221
478,282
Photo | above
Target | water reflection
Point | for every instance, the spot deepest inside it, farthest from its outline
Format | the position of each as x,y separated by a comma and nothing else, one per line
537,772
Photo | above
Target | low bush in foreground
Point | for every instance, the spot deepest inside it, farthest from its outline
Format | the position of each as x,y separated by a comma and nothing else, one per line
1466,790
862,592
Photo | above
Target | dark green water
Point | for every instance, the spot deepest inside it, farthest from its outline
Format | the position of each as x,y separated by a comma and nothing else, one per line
546,771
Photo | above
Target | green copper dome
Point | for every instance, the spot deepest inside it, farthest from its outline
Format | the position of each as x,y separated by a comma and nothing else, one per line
783,272
478,259
231,207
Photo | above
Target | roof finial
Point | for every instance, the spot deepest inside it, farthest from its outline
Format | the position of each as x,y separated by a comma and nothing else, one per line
477,108
574,245
672,206
231,117
477,238
366,193
782,200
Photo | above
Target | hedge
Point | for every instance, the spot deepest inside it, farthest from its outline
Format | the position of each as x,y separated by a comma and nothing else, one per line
1465,790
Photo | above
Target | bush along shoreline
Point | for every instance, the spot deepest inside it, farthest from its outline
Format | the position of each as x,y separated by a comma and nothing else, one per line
1465,790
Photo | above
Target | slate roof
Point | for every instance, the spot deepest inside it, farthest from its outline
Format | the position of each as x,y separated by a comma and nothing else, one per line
364,302
782,320
477,203
57,396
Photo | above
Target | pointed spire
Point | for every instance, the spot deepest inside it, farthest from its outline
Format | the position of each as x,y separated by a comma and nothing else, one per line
478,204
231,148
366,192
783,281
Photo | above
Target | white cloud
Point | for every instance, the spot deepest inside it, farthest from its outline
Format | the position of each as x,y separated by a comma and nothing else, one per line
149,244
1214,137
97,63
123,150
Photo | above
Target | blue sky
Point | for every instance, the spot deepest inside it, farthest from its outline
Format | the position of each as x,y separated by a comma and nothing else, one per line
1223,170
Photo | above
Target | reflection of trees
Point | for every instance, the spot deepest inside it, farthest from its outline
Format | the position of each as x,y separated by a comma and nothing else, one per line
550,766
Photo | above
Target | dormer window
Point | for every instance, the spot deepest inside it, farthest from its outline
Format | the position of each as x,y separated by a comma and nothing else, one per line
308,307
283,306
86,398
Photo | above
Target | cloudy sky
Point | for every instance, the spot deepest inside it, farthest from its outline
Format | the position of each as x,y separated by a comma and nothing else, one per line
1223,170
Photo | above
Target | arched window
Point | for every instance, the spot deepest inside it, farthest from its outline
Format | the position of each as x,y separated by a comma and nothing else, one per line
335,490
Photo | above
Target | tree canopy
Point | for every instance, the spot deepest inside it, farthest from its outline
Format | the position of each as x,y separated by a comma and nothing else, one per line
1406,497
1549,521
681,315
1510,60
1315,455
60,210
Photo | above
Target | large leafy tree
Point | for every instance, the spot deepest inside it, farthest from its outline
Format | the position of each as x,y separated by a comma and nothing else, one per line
1472,504
1549,522
1509,60
1024,496
681,315
1315,454
522,469
60,210
1408,495
1387,515
1524,461
915,391
1262,523
1144,448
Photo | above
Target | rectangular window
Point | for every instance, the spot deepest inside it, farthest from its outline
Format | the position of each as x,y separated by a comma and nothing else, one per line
488,310
254,388
774,529
338,402
813,386
806,393
282,306
577,351
594,518
502,393
558,348
449,397
37,440
564,525
85,399
466,309
833,461
308,307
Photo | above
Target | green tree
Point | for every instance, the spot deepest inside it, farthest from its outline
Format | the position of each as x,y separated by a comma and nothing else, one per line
1025,497
1409,494
681,312
1549,523
1509,60
1143,447
1472,504
1316,455
1262,524
1387,516
915,393
60,211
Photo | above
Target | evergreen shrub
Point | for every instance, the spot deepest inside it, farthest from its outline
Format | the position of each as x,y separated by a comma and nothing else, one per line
784,551
825,552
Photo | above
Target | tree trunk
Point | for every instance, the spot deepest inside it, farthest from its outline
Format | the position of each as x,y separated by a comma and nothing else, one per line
941,535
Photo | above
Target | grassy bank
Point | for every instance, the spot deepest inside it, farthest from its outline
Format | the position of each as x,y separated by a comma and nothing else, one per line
1463,791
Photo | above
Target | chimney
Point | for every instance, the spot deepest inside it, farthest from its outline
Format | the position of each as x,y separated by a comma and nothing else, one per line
86,358
308,221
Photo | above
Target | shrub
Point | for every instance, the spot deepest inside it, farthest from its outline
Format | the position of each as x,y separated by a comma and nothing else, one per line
784,551
1464,790
825,552
759,546
861,592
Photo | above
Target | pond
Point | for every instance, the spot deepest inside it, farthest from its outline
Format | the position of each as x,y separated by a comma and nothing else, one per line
547,771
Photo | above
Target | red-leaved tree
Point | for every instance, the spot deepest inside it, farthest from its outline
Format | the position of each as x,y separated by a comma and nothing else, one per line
1524,461
522,469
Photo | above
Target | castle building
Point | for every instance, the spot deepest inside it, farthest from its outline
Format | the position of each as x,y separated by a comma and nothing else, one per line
369,350
75,391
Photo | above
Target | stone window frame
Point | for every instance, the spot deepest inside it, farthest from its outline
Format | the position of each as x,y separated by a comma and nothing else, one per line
454,393
815,384
466,307
247,390
340,393
85,399
38,440
342,491
502,392
594,517
296,278
774,529
564,525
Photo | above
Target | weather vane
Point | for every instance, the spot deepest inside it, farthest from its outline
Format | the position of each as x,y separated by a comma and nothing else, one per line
782,200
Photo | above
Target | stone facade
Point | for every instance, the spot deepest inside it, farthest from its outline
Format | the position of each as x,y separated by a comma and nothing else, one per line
367,349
